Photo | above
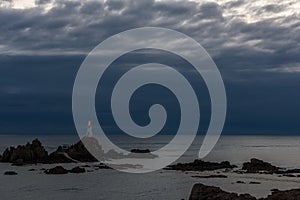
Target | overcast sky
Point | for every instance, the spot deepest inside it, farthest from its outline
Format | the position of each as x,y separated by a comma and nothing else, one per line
255,44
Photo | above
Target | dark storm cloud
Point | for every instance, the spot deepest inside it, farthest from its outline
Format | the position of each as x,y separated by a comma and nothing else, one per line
76,27
41,51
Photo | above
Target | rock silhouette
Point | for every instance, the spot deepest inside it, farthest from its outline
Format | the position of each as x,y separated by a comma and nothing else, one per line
34,152
76,152
10,173
25,154
77,170
256,166
204,192
200,165
56,170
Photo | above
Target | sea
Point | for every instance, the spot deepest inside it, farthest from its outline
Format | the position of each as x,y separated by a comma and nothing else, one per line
31,183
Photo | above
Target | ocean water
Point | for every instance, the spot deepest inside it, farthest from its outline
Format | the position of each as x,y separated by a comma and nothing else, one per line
111,184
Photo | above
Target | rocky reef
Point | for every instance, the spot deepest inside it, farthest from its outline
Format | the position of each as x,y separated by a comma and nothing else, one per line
292,194
33,153
77,170
259,166
141,153
211,176
61,170
30,153
204,192
200,165
56,170
76,152
10,173
256,166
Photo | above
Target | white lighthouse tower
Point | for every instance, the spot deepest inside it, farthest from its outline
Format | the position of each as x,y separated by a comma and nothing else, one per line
89,131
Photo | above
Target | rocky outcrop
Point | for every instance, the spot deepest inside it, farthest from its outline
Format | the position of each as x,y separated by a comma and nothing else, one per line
77,170
34,152
76,152
25,154
56,170
204,192
80,153
140,151
293,194
10,173
210,176
254,182
200,165
293,171
257,166
61,170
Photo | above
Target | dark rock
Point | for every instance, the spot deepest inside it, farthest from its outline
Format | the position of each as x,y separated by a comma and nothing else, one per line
289,175
10,173
19,162
292,194
211,176
56,170
257,166
25,154
57,157
203,192
77,152
77,170
7,154
254,182
199,165
80,153
292,171
140,151
240,182
35,153
262,167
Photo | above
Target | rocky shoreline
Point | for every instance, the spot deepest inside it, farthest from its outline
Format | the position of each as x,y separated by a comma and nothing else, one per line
204,192
35,153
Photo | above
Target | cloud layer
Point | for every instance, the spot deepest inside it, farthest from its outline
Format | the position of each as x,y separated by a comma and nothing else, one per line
255,44
229,30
